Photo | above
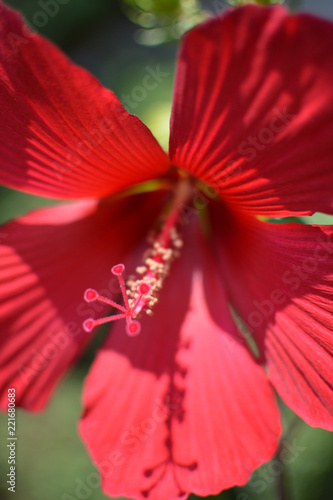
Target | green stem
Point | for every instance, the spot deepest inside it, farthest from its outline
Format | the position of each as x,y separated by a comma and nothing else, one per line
283,481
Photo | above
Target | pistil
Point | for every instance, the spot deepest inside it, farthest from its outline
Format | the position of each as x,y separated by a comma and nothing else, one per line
140,294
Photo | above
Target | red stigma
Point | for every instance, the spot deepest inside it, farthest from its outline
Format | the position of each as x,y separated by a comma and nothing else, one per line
90,295
144,288
88,325
118,269
133,328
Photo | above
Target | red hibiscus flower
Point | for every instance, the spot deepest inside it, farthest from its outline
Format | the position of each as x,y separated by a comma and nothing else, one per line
184,406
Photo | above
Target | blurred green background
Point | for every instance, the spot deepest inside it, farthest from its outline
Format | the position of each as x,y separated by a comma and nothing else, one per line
116,41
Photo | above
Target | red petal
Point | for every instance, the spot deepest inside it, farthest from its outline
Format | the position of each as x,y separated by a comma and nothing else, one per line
258,74
62,134
182,407
280,279
47,260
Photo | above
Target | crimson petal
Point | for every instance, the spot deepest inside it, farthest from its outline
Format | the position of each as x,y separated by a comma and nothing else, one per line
183,406
64,136
252,113
279,278
47,260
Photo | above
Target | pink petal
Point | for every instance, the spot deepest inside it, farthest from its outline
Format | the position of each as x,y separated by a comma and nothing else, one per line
280,279
183,407
258,74
62,134
47,260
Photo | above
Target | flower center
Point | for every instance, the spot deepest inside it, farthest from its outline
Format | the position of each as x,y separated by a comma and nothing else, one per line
140,293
